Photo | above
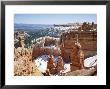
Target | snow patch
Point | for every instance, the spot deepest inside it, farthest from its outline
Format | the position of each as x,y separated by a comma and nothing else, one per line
66,67
41,63
91,61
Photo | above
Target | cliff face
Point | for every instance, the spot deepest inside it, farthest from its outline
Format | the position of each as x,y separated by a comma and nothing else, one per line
23,64
37,51
87,40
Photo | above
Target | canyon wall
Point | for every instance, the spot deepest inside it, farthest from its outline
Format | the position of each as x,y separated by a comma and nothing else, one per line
87,40
38,51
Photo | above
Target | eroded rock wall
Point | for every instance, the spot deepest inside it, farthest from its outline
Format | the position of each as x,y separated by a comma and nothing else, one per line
23,64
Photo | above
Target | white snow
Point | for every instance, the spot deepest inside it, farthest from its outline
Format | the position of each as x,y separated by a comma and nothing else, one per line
91,61
66,67
41,63
50,46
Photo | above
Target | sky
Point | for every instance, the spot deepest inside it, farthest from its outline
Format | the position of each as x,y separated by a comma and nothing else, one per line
54,18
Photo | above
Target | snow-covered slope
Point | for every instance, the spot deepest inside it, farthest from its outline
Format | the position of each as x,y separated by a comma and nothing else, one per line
41,62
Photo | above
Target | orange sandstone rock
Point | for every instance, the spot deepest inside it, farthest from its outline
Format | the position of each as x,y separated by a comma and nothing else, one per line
51,65
23,64
60,65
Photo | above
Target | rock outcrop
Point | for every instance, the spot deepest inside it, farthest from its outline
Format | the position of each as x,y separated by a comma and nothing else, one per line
81,57
21,41
75,61
38,51
51,65
77,57
23,64
60,65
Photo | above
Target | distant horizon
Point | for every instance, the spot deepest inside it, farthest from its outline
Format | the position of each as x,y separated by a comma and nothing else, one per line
48,24
50,19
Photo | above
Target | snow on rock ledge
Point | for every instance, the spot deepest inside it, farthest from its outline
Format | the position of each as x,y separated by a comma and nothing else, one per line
91,61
